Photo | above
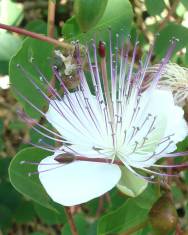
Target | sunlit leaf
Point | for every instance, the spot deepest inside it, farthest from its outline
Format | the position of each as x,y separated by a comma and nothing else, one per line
9,46
11,12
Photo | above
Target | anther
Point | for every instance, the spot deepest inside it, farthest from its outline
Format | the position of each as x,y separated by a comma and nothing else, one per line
101,49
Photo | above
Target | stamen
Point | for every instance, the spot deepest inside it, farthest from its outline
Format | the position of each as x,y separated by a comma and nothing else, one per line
101,49
44,171
37,163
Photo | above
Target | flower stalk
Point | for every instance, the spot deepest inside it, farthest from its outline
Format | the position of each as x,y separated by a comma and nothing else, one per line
71,221
64,159
40,37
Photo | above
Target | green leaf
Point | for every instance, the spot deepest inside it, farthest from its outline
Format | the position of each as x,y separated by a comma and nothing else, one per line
130,184
88,12
6,195
37,26
71,28
166,34
29,186
24,213
4,163
5,216
155,7
185,3
48,216
147,230
148,197
122,219
12,13
41,52
118,15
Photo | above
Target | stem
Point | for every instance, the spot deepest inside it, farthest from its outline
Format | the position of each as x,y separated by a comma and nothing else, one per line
51,18
71,221
108,199
37,36
100,206
68,159
169,14
136,228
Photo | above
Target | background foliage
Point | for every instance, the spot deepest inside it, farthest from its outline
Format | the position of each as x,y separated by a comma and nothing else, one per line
31,211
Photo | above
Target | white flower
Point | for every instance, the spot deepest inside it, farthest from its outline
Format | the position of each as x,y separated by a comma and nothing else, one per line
174,78
109,130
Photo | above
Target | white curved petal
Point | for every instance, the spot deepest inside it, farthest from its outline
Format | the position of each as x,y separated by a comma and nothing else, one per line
77,182
169,121
177,124
162,103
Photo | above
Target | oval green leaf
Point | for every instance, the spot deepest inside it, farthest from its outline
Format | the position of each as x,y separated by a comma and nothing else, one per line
166,34
126,217
41,52
88,12
29,186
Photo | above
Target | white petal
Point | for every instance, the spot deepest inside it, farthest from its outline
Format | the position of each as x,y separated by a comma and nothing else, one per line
162,103
77,182
169,121
177,123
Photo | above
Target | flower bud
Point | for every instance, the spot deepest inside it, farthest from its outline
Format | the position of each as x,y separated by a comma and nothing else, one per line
163,216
